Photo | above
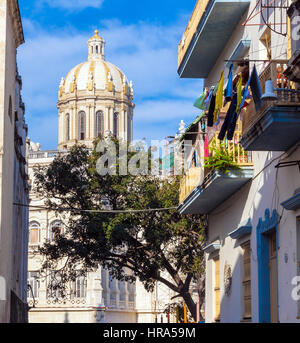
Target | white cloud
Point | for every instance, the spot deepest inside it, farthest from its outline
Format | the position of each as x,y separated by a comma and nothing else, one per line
72,4
146,53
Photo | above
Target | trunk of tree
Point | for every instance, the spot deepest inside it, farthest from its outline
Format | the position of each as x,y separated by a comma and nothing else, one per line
201,293
190,304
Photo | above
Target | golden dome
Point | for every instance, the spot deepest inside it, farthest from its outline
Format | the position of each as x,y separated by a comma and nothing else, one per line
96,73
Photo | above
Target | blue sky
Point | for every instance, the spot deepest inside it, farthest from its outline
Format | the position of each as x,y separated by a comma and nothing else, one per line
141,38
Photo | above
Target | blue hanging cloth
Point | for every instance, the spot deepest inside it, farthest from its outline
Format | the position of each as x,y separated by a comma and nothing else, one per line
229,87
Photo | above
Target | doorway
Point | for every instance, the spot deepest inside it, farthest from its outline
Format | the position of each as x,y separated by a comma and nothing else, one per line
273,277
267,257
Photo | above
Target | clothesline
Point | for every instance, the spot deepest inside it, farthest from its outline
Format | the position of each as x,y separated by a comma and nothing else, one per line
213,100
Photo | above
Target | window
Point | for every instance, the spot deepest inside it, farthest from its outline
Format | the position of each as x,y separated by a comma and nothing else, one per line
131,291
99,124
34,285
34,233
67,127
247,281
79,287
81,126
116,124
56,230
53,287
10,109
217,289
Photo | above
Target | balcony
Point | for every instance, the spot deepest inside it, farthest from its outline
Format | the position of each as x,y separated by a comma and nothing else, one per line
276,126
200,194
206,35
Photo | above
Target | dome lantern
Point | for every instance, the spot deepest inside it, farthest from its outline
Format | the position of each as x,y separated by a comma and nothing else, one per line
96,46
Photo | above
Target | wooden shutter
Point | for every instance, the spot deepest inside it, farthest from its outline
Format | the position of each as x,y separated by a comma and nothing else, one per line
247,281
217,290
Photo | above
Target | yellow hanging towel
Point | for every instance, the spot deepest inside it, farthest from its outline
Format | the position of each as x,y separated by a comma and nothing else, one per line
239,93
219,98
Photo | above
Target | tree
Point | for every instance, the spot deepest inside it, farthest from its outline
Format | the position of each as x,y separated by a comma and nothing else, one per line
151,244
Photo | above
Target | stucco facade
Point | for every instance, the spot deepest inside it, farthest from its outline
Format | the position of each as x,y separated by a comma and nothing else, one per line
252,256
13,170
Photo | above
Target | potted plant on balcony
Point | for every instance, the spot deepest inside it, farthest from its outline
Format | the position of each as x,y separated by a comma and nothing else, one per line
220,159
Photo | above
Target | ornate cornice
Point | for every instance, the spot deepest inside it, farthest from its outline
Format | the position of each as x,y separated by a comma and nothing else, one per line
14,11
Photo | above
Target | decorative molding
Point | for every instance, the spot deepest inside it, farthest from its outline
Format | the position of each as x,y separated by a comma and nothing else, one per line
14,11
269,223
212,247
293,203
244,229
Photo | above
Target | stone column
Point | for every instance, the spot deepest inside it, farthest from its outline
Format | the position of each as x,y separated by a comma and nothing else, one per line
106,119
126,125
123,125
94,291
60,127
111,120
76,123
126,294
93,122
88,121
72,124
107,288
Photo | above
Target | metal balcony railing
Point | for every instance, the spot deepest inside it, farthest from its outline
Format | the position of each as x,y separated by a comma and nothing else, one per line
285,94
195,175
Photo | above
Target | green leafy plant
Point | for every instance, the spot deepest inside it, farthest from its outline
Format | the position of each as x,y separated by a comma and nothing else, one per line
220,159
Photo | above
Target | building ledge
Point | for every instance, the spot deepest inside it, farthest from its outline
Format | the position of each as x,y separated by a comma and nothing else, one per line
216,188
209,249
212,31
293,203
239,52
278,129
243,230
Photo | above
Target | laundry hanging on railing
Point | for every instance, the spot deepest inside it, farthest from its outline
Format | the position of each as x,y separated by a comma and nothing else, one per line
210,115
229,118
219,98
229,88
254,84
199,103
239,92
211,100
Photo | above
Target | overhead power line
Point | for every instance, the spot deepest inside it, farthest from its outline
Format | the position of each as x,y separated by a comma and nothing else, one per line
97,211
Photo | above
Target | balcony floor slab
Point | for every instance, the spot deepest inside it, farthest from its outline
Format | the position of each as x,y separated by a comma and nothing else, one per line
216,188
277,130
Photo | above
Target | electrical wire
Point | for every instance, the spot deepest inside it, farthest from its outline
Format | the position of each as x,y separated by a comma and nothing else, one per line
97,211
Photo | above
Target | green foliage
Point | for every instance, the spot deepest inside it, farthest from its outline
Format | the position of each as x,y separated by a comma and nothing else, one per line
220,159
154,246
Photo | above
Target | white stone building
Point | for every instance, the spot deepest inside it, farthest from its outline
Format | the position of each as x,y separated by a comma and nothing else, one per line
13,170
253,252
95,99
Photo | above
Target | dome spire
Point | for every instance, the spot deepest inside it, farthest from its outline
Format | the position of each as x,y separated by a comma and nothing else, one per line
96,47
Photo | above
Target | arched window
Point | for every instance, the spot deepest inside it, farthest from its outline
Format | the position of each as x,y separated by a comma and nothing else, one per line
81,126
116,124
34,233
67,127
56,229
97,49
99,124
